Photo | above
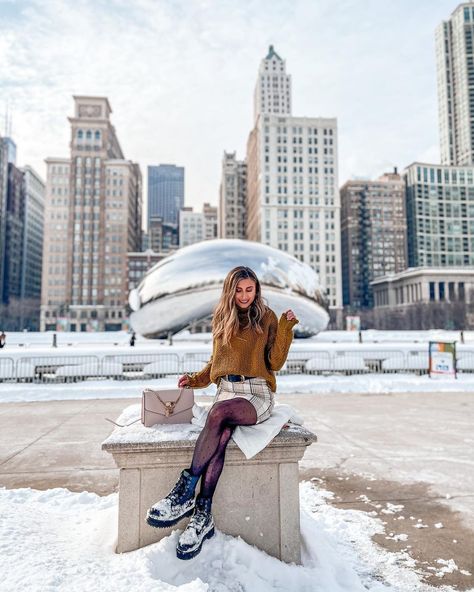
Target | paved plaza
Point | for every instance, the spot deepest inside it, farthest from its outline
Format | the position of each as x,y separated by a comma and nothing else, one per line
412,450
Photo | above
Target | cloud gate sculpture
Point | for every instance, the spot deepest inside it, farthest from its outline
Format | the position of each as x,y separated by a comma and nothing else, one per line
186,286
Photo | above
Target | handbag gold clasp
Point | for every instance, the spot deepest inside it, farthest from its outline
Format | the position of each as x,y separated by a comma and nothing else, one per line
169,407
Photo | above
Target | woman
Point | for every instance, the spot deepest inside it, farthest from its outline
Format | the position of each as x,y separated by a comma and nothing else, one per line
249,343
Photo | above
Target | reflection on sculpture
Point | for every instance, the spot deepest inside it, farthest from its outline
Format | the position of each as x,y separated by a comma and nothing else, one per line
186,286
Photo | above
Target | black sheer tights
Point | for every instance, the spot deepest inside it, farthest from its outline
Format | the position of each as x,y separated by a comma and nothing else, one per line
209,453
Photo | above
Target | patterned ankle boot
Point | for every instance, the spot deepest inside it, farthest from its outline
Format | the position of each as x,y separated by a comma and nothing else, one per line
200,528
178,504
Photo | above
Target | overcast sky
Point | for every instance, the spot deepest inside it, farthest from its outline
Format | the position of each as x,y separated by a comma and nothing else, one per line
180,76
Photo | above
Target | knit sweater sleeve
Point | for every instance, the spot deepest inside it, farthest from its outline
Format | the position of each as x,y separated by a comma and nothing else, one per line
280,336
202,378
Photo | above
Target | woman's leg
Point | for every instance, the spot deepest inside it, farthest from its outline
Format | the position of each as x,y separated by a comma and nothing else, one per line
222,415
208,461
213,471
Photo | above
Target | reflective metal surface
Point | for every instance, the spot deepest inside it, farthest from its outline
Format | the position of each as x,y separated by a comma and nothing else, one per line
187,285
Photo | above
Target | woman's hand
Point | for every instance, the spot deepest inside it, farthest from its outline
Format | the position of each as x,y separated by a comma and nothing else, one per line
183,381
290,315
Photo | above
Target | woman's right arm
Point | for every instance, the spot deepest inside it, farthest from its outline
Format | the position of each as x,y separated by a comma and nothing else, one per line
197,379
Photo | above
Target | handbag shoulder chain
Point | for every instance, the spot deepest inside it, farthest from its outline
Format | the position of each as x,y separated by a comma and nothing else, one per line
169,405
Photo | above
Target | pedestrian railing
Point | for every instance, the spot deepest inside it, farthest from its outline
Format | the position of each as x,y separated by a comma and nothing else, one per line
7,368
57,368
145,365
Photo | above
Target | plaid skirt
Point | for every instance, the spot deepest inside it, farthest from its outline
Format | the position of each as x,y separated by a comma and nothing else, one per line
255,390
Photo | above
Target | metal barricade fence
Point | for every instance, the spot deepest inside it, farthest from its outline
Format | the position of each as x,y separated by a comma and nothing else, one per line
194,362
465,360
56,368
7,369
130,366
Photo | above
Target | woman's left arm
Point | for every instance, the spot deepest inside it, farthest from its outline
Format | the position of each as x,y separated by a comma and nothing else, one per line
280,336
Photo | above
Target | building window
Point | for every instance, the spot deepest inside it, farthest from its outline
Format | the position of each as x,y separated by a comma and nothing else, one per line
441,290
432,292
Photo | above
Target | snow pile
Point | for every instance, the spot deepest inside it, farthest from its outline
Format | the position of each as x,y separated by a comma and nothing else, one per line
294,384
57,541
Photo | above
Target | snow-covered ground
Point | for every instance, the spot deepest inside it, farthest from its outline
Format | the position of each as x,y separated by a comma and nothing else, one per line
58,541
287,385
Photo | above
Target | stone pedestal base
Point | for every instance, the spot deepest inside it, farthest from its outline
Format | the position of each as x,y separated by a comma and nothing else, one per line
256,499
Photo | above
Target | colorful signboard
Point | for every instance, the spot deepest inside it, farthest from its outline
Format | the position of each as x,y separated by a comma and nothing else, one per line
442,359
353,323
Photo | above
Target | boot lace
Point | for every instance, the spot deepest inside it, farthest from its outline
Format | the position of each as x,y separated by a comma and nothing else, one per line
177,491
198,520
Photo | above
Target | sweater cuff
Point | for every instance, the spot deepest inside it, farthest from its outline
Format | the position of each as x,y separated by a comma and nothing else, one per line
286,324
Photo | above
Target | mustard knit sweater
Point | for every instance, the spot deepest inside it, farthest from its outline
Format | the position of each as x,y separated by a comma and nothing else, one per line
249,353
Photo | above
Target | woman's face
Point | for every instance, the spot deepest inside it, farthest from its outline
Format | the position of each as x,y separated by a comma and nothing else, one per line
245,293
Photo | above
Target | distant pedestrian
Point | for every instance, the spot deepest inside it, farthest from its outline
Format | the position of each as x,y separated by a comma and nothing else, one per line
3,339
133,338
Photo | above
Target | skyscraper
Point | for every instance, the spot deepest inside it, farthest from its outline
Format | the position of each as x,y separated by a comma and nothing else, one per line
3,209
22,243
93,219
440,215
373,235
292,183
165,192
273,88
455,65
232,197
195,227
32,255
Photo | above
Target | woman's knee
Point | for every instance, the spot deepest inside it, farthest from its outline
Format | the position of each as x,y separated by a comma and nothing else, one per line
217,415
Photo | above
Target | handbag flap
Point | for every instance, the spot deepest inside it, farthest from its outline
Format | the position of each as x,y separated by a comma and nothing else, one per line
152,404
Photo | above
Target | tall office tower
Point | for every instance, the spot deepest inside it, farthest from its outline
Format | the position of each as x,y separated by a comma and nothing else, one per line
195,227
162,236
22,260
210,215
14,234
170,237
165,192
11,150
373,235
3,209
440,215
155,233
232,197
191,227
273,89
93,219
292,192
455,65
32,255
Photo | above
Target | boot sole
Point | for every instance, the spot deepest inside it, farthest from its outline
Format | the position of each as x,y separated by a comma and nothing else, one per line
157,523
190,554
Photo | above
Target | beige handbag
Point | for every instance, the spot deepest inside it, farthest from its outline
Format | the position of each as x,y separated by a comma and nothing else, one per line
163,406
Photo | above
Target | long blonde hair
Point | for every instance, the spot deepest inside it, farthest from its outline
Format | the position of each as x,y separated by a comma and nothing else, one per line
225,322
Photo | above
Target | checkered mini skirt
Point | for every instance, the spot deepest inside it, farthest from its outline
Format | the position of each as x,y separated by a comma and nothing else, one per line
255,390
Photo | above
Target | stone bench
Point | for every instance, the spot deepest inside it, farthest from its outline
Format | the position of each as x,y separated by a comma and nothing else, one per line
256,499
